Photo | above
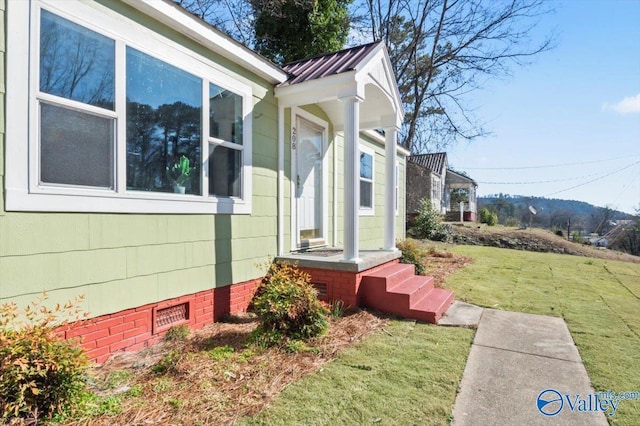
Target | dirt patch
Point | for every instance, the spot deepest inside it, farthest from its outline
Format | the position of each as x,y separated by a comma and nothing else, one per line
538,240
441,263
214,377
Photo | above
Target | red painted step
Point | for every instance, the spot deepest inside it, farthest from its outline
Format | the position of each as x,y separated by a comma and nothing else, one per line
397,290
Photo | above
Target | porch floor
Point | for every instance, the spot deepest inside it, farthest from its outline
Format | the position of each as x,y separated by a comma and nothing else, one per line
333,258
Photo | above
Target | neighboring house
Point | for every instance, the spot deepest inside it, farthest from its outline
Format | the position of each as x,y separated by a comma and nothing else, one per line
426,177
150,162
460,189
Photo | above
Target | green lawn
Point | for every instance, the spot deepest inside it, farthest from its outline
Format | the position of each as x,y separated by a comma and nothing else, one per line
599,300
410,374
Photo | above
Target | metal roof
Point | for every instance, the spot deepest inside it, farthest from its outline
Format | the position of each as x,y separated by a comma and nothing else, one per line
457,176
327,64
435,162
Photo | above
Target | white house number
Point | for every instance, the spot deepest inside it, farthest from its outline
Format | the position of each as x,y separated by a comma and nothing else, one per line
294,138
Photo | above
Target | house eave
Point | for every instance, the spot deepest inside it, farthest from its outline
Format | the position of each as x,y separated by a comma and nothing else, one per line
182,21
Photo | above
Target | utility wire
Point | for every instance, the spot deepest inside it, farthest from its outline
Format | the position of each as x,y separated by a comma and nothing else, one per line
536,182
543,167
553,180
593,180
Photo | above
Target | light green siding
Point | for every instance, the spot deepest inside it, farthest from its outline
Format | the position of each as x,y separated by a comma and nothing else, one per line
120,261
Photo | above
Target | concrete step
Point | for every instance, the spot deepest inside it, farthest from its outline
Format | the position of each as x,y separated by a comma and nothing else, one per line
431,307
390,275
412,289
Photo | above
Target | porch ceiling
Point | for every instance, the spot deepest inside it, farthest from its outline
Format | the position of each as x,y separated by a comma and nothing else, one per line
363,72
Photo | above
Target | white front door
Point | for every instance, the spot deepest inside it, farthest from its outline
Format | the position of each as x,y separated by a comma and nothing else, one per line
308,177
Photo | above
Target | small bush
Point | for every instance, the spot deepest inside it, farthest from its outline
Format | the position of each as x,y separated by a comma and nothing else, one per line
413,254
577,238
177,333
169,362
488,217
337,309
287,306
428,223
220,353
512,222
559,233
41,375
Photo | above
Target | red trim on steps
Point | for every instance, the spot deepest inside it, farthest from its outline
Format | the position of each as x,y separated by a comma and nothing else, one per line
397,290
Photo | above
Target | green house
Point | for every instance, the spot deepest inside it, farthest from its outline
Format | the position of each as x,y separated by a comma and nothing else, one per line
151,163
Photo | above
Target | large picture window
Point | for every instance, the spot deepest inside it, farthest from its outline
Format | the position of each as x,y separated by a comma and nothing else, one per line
164,111
121,121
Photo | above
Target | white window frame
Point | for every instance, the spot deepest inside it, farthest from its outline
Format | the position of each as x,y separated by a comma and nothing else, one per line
397,188
23,191
369,211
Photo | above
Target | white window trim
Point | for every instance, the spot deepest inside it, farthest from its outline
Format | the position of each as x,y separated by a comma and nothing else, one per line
369,211
397,188
23,193
295,113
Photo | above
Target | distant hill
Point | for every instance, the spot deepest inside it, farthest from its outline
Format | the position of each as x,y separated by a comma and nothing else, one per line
552,213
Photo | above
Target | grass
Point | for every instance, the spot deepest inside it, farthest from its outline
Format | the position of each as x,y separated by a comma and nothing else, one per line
407,374
599,300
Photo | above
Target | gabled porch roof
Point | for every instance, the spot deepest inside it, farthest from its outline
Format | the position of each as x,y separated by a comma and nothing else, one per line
358,91
363,72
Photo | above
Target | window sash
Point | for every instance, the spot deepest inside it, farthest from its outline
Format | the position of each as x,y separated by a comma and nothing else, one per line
24,191
368,182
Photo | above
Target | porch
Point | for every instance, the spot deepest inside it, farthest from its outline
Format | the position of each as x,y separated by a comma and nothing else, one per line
377,281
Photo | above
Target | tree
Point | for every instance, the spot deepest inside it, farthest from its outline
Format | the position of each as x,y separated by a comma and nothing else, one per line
630,237
288,30
234,17
443,49
440,49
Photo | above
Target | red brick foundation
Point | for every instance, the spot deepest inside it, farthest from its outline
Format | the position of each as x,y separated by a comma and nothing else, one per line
342,285
135,329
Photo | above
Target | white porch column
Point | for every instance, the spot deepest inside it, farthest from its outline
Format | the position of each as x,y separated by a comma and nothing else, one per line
351,178
391,151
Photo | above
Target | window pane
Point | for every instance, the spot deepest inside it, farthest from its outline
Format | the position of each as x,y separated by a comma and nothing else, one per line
164,110
76,63
365,194
225,115
366,166
225,165
75,148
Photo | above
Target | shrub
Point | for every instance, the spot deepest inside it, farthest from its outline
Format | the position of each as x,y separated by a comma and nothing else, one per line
428,223
413,254
177,333
559,233
488,217
287,306
577,238
512,222
41,375
337,309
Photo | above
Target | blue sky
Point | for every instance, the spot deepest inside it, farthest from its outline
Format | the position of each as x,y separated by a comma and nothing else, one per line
579,103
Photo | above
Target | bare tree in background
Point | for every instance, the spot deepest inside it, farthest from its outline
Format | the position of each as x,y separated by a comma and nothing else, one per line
443,49
234,17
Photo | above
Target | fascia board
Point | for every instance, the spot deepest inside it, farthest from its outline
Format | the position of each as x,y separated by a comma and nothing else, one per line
207,36
318,90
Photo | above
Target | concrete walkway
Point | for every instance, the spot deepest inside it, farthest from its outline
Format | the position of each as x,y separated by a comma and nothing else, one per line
515,357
